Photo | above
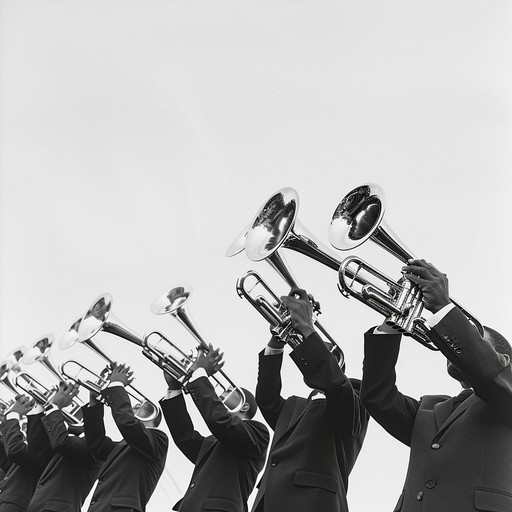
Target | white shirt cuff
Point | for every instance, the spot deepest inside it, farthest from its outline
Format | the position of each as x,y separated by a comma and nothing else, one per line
269,351
37,409
437,317
198,372
385,329
52,408
171,393
13,416
115,384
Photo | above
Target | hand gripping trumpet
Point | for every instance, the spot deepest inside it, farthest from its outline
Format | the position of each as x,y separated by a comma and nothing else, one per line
100,318
257,292
175,361
357,218
40,352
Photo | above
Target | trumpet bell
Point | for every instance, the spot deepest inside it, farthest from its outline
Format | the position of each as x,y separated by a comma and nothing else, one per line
238,244
96,316
39,350
357,216
172,300
272,224
70,337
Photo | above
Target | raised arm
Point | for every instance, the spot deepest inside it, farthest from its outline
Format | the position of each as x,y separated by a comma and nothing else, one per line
178,420
36,449
60,439
483,360
243,437
150,445
98,443
269,384
394,411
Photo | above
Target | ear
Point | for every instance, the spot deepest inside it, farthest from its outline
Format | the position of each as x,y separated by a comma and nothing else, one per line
245,407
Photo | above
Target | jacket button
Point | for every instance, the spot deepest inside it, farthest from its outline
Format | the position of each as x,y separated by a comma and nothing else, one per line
430,484
436,446
273,463
419,496
192,485
93,502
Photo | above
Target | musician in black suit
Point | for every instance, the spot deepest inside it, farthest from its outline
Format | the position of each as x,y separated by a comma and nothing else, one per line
5,463
316,440
28,457
133,466
72,471
227,462
461,447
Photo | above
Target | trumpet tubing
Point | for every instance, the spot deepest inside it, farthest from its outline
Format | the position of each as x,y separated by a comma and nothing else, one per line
359,217
167,356
173,302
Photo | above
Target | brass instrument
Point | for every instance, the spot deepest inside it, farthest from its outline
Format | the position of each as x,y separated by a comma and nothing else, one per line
100,318
10,368
254,289
275,225
39,352
173,302
357,218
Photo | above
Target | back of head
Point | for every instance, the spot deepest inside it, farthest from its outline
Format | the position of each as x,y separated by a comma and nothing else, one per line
249,408
499,343
147,415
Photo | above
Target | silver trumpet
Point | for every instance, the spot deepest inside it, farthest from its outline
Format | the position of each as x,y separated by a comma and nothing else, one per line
276,226
173,302
40,352
357,218
100,318
10,368
257,292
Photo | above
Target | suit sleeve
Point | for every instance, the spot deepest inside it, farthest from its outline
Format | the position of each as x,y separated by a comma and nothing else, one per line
488,372
394,411
321,371
98,443
35,451
180,425
149,444
60,439
268,387
244,437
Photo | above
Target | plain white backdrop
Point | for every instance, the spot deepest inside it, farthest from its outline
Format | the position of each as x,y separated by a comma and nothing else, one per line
139,137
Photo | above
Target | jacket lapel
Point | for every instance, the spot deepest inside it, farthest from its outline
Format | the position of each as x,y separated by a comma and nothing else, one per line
299,410
443,410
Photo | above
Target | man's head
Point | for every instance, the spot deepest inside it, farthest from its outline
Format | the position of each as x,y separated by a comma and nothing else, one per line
146,410
498,342
249,408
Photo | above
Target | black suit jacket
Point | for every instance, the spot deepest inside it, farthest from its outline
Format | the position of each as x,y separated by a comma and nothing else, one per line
70,474
227,463
132,466
461,447
28,461
316,442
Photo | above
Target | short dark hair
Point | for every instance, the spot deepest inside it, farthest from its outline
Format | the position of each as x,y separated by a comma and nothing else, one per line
499,343
251,402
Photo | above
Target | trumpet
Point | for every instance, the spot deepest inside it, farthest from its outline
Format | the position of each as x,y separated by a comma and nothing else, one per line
357,218
39,352
276,226
255,290
173,302
100,318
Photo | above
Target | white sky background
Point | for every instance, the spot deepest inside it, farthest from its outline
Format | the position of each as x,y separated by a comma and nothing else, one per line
139,137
